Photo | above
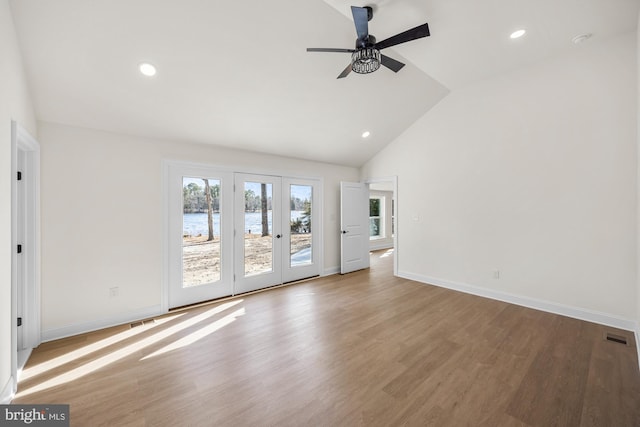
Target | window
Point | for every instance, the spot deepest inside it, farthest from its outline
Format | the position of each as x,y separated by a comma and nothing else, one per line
376,207
200,231
300,244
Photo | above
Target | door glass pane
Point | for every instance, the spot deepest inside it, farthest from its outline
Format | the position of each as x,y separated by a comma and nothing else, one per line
301,202
258,227
200,231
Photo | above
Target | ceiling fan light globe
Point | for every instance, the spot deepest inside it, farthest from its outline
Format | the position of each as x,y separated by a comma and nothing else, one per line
366,60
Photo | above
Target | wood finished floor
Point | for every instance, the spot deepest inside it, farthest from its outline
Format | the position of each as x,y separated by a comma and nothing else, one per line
361,349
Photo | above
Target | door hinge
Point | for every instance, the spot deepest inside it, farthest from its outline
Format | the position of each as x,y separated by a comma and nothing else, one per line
19,321
19,249
19,176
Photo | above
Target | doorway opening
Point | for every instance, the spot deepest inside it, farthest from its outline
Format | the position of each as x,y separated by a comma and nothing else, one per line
383,213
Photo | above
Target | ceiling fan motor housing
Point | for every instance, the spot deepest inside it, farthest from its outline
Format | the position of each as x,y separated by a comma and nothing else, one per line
368,42
369,12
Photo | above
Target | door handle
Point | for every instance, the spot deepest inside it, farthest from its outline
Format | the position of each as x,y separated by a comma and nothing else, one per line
278,236
344,231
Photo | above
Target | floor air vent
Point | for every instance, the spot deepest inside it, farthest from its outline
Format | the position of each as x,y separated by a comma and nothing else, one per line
615,338
142,322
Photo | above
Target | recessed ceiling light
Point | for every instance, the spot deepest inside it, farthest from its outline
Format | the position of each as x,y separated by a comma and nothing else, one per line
581,38
147,69
366,134
517,34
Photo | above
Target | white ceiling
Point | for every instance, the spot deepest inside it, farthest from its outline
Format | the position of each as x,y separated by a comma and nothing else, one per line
237,74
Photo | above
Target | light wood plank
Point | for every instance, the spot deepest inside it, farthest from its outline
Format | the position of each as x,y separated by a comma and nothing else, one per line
365,348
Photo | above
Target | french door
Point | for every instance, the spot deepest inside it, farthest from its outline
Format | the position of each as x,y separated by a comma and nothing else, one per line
274,236
301,234
200,233
258,232
231,233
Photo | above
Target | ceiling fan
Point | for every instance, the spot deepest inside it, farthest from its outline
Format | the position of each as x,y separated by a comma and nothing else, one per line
366,57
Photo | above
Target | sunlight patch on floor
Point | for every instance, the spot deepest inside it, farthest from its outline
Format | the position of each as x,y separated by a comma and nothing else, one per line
114,356
387,253
198,335
41,368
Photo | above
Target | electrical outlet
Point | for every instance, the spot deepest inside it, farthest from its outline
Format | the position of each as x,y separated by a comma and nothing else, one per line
496,274
113,292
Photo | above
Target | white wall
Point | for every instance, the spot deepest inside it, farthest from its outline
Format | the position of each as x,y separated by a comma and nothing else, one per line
532,173
15,104
102,218
638,187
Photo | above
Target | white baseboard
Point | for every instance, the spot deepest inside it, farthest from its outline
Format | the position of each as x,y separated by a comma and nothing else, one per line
377,246
81,328
550,307
23,358
7,392
331,270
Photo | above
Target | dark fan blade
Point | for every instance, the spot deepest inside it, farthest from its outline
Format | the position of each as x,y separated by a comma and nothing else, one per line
412,34
329,49
391,63
361,19
345,72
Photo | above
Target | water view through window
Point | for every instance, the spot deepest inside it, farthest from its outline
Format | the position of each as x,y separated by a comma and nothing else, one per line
258,228
201,231
201,228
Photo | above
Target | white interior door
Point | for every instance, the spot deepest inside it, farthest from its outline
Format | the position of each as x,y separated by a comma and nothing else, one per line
201,234
354,226
258,232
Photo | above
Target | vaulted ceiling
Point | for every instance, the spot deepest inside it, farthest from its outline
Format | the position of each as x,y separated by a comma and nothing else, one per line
237,74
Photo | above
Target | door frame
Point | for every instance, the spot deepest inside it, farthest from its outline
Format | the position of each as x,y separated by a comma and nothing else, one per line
22,141
394,180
